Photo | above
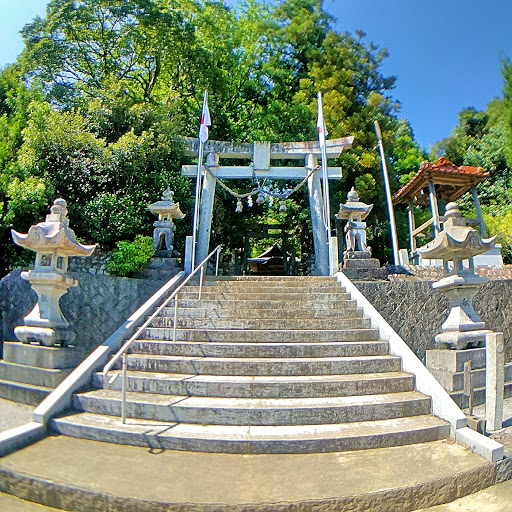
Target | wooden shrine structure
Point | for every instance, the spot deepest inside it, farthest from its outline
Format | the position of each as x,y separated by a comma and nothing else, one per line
443,180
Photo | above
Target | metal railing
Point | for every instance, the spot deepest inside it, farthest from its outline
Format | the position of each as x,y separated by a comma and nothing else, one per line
121,353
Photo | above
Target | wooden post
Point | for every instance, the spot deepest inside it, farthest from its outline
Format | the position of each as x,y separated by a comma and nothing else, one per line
468,384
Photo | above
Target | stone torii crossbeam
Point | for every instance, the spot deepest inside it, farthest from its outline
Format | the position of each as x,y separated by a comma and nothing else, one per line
261,154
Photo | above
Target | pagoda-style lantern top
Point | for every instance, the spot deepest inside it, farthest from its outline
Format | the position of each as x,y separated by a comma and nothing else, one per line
53,240
458,240
354,209
166,209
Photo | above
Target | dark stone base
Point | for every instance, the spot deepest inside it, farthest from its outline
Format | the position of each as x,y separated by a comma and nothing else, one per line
160,268
361,263
357,255
368,274
363,269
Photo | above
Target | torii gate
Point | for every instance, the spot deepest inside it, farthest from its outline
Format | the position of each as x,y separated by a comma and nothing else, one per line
261,154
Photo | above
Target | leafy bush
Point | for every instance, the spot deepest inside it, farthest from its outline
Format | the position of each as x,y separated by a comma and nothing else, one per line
131,257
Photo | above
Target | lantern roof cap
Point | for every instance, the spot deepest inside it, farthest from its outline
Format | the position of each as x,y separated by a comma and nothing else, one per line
167,206
53,235
354,206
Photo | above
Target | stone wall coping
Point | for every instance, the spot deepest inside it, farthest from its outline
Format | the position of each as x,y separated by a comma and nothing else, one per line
443,405
61,397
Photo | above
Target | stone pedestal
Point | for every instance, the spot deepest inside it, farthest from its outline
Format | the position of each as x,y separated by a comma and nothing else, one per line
161,268
46,323
462,329
28,373
447,366
361,267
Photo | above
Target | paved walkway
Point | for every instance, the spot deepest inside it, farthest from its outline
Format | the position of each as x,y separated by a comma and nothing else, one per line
223,478
13,414
209,478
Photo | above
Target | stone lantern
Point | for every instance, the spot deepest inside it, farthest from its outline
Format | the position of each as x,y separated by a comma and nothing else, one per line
457,242
163,235
54,242
357,257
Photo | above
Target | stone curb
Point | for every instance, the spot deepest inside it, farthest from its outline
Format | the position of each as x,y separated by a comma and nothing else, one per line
402,499
19,437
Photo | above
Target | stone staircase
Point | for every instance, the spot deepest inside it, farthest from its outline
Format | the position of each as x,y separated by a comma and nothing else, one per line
259,365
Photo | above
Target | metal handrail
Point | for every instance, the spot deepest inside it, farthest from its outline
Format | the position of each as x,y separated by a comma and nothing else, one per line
122,351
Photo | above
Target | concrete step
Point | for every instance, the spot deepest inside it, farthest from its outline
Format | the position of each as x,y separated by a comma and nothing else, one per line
130,478
33,375
264,366
213,310
264,336
257,439
328,284
243,294
290,386
263,323
304,302
249,350
255,411
22,393
247,279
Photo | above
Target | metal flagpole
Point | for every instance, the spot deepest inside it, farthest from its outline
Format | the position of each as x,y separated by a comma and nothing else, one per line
203,137
322,132
391,213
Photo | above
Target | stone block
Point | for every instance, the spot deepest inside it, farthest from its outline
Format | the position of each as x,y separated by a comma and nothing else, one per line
43,357
362,263
453,360
31,375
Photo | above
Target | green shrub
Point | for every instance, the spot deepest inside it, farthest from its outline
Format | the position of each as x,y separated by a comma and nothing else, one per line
131,257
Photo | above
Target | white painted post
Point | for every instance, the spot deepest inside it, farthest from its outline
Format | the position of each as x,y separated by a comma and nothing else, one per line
434,207
494,381
391,213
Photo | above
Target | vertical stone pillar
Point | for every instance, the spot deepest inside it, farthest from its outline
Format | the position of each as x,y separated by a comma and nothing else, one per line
206,209
317,224
187,265
494,381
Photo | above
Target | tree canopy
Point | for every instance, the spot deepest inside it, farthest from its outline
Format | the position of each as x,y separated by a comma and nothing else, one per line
93,109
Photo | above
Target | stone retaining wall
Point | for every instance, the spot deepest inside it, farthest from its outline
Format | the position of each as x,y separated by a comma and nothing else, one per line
95,308
94,264
415,311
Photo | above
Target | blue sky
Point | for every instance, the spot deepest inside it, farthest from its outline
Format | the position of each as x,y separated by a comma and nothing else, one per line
446,53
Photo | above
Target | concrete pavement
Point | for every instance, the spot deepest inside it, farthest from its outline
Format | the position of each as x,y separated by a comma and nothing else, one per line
329,480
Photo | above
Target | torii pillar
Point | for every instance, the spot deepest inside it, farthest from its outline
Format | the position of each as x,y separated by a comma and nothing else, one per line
261,154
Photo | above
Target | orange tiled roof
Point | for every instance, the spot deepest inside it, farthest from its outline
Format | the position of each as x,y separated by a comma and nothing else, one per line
451,181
